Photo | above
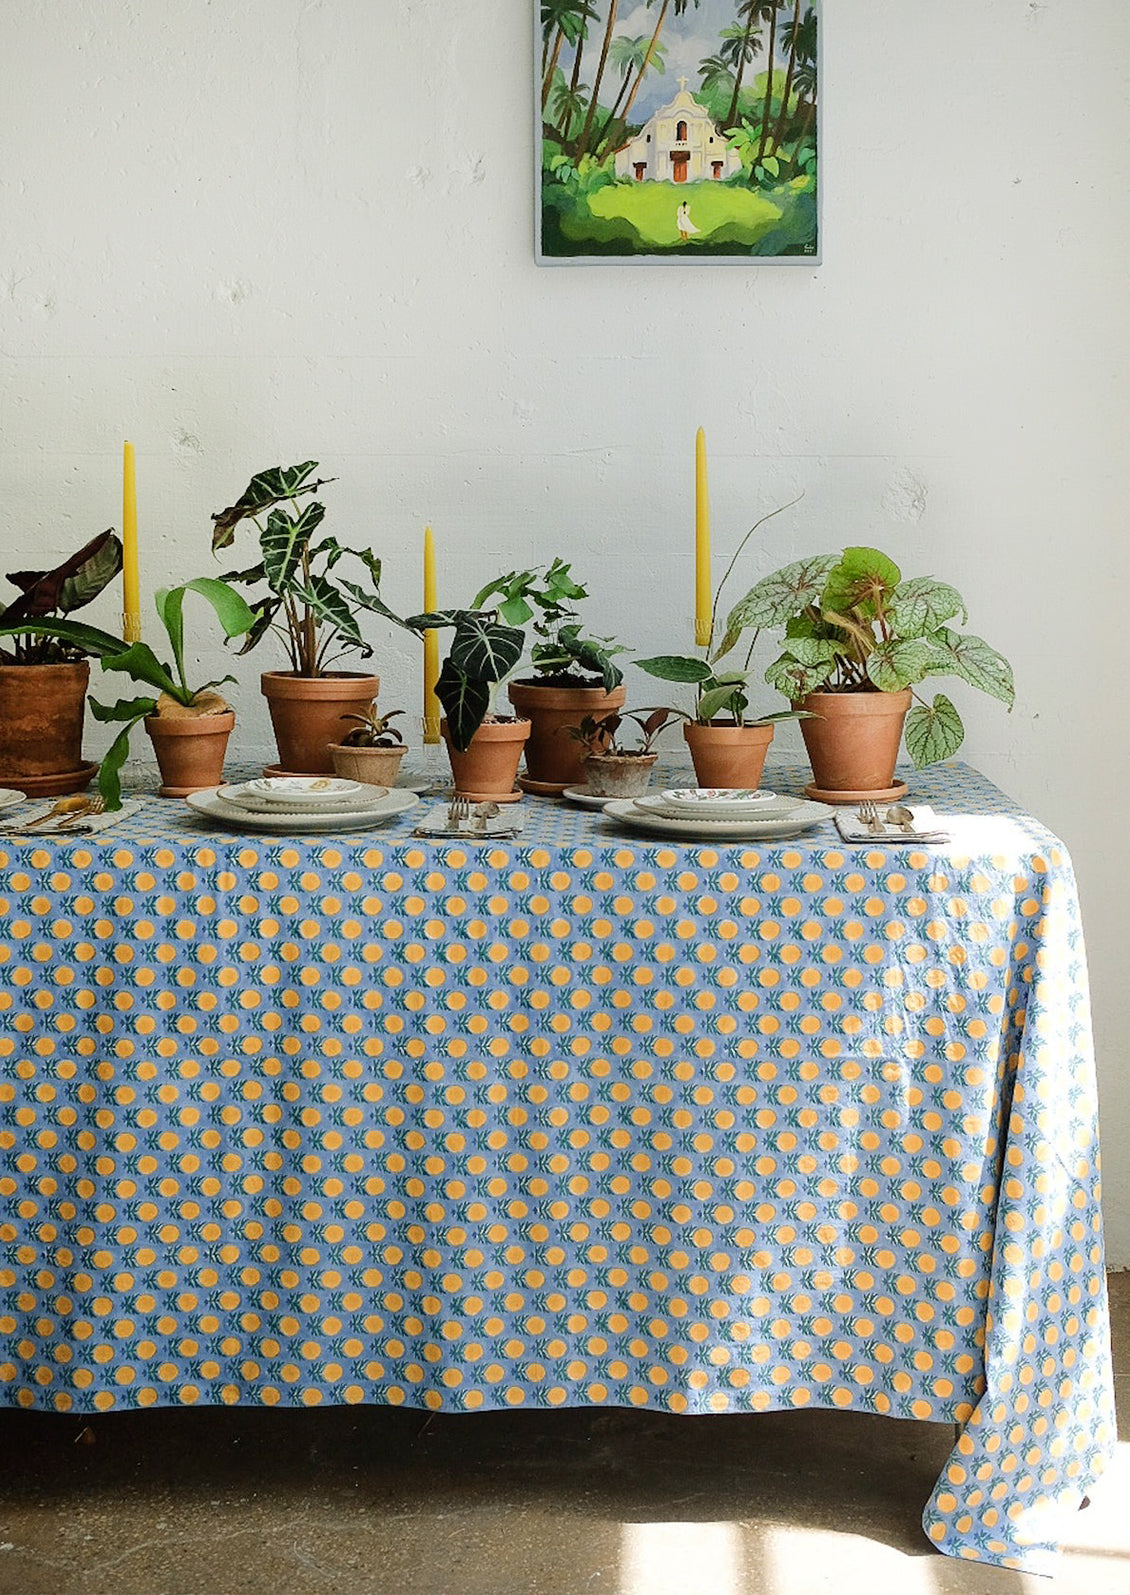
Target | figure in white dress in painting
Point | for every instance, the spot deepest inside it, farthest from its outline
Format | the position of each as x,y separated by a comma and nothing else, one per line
683,222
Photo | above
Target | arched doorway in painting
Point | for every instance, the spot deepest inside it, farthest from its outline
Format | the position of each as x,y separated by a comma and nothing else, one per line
680,161
681,133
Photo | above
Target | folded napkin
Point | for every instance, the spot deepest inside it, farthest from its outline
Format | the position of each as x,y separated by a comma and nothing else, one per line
35,818
481,825
926,827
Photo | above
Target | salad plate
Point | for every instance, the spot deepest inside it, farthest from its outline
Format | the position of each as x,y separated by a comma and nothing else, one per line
587,799
344,795
309,791
291,822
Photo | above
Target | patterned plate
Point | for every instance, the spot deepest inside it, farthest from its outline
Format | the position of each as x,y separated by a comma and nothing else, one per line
285,822
792,822
247,798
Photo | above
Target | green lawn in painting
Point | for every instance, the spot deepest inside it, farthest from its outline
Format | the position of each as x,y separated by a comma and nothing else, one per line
650,208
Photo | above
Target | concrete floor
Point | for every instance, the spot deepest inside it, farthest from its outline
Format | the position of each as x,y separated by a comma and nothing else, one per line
374,1501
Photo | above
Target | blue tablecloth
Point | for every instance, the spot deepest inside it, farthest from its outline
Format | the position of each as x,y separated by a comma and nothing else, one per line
580,1118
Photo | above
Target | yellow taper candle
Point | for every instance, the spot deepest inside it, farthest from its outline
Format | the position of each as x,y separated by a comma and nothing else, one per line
131,585
702,594
431,643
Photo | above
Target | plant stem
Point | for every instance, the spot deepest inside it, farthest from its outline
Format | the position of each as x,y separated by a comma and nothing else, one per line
737,553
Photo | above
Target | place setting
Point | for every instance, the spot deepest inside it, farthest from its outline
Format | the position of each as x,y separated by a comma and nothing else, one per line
725,814
301,805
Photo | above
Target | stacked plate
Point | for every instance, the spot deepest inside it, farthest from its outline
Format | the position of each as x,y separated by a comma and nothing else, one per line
725,814
9,799
301,804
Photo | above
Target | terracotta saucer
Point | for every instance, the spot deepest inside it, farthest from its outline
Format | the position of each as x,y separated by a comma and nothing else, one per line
542,788
34,786
271,771
885,794
491,797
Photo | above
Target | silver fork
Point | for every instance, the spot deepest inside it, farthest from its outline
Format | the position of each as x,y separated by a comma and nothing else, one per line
458,811
869,815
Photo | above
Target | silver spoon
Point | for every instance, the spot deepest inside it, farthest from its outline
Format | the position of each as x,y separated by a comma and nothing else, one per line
898,814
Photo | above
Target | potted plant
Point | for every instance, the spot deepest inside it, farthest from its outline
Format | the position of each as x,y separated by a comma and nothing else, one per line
372,751
612,770
574,675
313,614
857,640
727,743
484,747
43,680
189,726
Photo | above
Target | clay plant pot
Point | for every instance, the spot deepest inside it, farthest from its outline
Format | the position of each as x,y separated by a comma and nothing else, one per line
306,712
727,755
554,759
190,751
486,772
619,775
41,717
374,766
854,743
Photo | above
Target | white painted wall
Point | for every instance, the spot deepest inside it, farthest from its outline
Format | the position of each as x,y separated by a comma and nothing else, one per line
224,237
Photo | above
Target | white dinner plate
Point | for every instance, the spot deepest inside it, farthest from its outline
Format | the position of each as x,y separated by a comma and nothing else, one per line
9,798
284,822
793,822
298,792
587,799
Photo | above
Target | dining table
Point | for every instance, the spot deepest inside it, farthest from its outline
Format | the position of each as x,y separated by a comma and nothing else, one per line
581,1116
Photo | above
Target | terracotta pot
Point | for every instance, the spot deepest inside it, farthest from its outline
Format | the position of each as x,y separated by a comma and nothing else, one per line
554,759
190,751
486,771
41,717
854,744
728,755
619,775
306,712
374,766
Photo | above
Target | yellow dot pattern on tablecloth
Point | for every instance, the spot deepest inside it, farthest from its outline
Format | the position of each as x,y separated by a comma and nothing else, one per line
580,1119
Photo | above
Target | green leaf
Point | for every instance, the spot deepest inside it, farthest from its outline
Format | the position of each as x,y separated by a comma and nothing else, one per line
772,165
90,639
715,699
264,611
776,598
815,653
109,783
285,541
933,732
730,640
141,663
860,578
433,619
794,679
70,585
322,598
131,709
483,650
895,665
465,702
676,667
268,488
371,601
515,611
972,659
593,656
921,605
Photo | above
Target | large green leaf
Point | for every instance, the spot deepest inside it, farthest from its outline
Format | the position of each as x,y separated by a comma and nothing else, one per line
90,640
594,656
483,650
676,667
140,663
285,541
973,659
433,619
328,606
263,491
128,709
933,731
264,611
860,578
70,586
920,605
794,678
728,695
371,601
465,701
895,664
775,598
232,610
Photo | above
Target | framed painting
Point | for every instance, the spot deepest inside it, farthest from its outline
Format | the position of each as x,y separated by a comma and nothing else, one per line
677,131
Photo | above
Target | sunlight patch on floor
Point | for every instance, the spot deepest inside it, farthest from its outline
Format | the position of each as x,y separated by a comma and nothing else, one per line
681,1559
824,1562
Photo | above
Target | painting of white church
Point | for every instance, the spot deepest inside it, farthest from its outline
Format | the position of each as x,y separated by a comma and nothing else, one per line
680,144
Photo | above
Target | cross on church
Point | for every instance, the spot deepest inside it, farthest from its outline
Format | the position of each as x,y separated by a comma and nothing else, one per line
683,84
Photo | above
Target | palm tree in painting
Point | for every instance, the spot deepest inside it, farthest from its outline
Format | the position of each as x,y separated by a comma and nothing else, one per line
568,106
792,39
804,73
765,11
680,8
742,44
632,57
562,22
716,73
582,143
